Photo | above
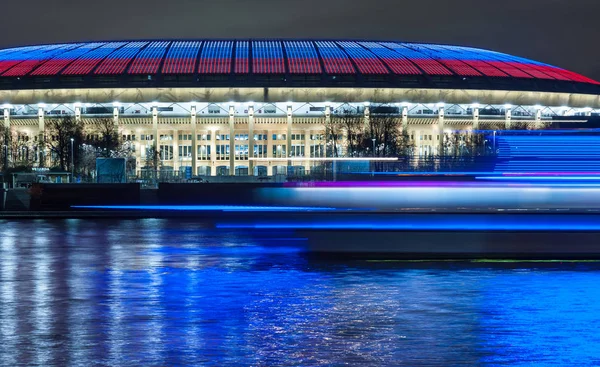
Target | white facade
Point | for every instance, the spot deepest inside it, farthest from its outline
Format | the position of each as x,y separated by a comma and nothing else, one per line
257,138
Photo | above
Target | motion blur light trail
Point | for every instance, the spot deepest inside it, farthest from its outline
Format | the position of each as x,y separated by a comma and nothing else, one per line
223,208
417,195
435,222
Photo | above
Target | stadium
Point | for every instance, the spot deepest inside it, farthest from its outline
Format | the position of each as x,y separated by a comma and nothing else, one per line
259,107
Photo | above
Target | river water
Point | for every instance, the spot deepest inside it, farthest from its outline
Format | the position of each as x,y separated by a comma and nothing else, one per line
160,292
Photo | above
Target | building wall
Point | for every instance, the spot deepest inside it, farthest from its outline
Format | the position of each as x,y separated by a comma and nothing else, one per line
220,141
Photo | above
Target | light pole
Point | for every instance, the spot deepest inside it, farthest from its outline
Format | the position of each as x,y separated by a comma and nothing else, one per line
373,147
373,163
72,165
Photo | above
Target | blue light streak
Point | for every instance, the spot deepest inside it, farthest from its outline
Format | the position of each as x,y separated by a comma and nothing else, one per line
539,178
437,222
199,208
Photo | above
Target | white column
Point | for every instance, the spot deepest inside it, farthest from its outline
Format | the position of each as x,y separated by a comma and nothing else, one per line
508,119
404,120
77,113
231,140
116,116
306,149
176,161
154,127
538,118
250,140
213,152
41,133
289,134
270,152
440,129
327,122
476,118
194,142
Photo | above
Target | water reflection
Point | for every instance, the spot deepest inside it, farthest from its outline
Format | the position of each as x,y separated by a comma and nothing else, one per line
160,292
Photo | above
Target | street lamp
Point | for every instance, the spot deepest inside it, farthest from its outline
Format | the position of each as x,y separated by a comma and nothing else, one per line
373,146
72,165
373,168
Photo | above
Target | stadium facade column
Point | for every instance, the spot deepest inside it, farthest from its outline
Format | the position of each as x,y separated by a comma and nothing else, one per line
327,122
270,152
288,149
367,117
507,118
440,130
116,117
538,118
404,120
213,152
77,113
476,118
307,150
176,161
41,133
231,140
8,136
194,143
250,140
155,128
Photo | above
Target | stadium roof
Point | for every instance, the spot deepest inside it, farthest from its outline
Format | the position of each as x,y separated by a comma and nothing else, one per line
279,63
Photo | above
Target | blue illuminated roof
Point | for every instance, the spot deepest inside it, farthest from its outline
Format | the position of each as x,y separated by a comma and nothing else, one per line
318,63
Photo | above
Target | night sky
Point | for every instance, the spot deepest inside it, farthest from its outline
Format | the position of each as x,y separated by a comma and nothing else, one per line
564,33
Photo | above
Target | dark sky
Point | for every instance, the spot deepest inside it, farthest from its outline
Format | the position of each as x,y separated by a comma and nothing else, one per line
564,33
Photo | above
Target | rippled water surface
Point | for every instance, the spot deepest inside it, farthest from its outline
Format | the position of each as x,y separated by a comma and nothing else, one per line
172,293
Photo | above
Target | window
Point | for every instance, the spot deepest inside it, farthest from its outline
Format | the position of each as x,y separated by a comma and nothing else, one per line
204,137
185,152
317,109
279,151
129,137
317,137
260,151
241,136
260,136
241,151
166,137
279,137
317,151
166,152
203,152
297,151
214,109
223,137
185,137
222,152
297,136
147,137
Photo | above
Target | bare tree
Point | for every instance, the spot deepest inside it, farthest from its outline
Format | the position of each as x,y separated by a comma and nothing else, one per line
59,132
333,132
385,129
353,124
5,139
108,139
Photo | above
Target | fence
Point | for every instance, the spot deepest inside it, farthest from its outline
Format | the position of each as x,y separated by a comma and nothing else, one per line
329,171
